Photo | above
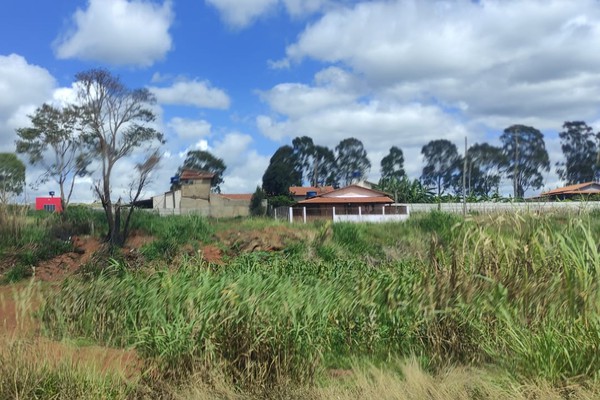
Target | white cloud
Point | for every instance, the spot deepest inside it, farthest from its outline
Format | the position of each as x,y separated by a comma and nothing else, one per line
245,166
378,125
335,87
336,108
245,177
232,148
188,128
241,13
24,87
192,93
496,61
119,32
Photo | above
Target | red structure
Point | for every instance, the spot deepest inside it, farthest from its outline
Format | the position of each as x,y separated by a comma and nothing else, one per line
51,204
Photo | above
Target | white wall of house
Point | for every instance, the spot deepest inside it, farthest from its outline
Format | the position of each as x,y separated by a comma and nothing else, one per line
167,201
370,218
490,207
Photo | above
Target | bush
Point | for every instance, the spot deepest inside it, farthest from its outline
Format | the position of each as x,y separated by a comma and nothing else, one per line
17,273
257,208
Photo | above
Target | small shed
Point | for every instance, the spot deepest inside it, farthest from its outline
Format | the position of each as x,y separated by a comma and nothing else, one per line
50,204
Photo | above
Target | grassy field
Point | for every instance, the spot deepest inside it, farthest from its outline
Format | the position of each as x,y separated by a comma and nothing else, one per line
438,307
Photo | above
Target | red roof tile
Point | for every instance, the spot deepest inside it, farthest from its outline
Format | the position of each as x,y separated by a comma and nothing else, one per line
573,189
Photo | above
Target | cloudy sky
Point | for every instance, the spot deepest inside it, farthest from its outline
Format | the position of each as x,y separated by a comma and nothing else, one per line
243,77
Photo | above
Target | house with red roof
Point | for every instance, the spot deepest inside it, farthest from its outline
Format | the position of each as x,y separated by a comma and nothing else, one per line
578,191
352,203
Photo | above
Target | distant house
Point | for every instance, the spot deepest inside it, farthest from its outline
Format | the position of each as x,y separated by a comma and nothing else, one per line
192,195
51,204
581,190
351,203
304,192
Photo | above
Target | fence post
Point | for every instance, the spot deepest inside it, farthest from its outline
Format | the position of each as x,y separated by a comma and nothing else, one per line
383,209
359,211
291,215
275,213
304,214
333,219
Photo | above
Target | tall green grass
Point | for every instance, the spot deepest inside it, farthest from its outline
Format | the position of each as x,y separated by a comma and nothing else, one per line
520,293
171,233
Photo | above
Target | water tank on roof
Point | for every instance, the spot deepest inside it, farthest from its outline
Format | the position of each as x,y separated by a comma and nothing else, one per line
310,194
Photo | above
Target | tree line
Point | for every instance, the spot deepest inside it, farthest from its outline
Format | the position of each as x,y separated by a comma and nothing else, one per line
521,158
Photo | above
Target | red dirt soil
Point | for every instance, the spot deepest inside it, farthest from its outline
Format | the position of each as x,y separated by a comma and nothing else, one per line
267,239
212,254
60,267
65,264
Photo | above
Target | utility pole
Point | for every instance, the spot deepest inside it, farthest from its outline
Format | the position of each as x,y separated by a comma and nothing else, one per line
597,175
316,172
516,169
465,180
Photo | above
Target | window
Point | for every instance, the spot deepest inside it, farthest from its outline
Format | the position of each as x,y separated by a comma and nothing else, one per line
49,207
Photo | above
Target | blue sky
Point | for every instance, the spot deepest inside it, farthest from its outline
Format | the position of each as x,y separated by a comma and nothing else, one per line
243,77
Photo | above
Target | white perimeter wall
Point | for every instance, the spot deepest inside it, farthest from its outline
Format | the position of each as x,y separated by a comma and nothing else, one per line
370,218
508,207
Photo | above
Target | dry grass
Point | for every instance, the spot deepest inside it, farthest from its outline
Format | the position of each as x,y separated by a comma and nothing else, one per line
410,383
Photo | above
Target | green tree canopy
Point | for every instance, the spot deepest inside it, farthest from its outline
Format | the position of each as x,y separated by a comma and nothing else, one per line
352,161
526,158
392,165
326,167
283,171
406,191
256,203
54,141
304,149
484,166
442,165
204,161
580,146
317,163
12,176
